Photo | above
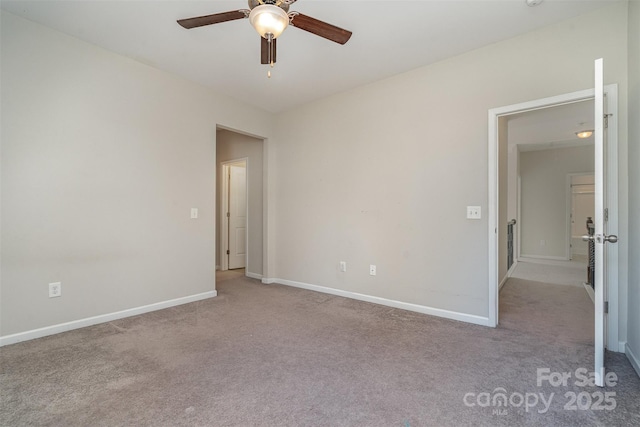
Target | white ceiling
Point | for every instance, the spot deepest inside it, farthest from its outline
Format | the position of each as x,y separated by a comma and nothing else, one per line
389,37
553,127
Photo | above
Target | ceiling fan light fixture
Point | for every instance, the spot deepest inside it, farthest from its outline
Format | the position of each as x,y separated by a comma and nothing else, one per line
269,19
584,134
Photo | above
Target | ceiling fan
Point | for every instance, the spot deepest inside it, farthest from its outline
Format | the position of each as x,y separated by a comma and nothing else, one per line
270,18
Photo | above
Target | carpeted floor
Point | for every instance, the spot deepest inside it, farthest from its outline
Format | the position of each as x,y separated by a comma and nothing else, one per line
229,274
271,355
560,273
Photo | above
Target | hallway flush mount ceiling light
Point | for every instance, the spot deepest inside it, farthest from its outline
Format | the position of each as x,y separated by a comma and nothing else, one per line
584,134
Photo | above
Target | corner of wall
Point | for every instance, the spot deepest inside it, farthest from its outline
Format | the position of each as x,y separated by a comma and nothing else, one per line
633,358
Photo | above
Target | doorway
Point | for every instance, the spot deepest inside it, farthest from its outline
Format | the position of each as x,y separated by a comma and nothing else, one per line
546,192
498,209
234,214
234,148
581,200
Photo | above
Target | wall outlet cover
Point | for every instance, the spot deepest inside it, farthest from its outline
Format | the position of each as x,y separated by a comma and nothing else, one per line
55,289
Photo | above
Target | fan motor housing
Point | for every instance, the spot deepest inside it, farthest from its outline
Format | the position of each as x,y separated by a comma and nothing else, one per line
282,4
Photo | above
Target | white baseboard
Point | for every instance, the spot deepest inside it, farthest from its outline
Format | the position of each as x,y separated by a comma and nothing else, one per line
509,274
589,290
513,268
544,257
502,282
253,275
90,321
633,358
463,317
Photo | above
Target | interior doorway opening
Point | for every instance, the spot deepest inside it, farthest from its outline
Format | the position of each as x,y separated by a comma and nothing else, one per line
241,223
234,215
545,163
581,192
498,209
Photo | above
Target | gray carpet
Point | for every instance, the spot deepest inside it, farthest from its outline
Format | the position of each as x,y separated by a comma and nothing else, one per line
561,273
270,355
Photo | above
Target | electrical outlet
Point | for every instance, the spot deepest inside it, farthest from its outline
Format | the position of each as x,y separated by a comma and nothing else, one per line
343,266
372,270
55,289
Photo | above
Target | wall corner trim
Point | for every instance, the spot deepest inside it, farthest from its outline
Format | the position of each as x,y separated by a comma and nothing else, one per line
633,358
453,315
103,318
253,275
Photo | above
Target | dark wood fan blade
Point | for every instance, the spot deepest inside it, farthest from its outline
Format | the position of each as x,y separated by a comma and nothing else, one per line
216,18
319,28
264,51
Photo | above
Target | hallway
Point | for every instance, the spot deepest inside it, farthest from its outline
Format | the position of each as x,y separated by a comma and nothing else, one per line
572,273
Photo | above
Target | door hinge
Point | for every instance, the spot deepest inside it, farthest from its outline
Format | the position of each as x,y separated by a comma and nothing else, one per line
228,252
606,214
228,214
606,120
606,307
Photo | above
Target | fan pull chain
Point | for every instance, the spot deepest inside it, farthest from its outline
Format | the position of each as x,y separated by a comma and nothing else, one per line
269,72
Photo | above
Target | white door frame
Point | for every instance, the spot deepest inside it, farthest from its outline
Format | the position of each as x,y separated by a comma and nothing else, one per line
611,100
224,208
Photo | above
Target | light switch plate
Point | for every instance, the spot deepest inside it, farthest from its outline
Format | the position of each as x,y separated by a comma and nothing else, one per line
194,213
474,212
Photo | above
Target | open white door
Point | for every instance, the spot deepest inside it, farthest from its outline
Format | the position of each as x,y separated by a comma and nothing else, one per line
600,237
237,216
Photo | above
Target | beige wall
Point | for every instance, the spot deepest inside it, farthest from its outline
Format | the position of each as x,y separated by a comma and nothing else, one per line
232,146
102,160
382,174
103,157
544,198
634,184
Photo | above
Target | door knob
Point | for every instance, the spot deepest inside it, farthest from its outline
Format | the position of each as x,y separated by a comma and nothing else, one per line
611,238
586,238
